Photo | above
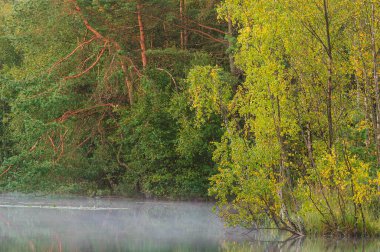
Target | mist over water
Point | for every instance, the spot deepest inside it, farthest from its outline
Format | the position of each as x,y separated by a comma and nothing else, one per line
113,224
87,224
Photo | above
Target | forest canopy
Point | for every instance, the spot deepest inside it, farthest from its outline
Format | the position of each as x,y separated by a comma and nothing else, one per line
272,108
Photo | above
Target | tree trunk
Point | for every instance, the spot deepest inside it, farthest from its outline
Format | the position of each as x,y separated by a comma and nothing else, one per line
182,13
330,75
166,41
376,82
128,82
142,35
231,56
283,177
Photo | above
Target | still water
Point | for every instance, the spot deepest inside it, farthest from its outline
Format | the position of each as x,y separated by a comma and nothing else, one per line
112,224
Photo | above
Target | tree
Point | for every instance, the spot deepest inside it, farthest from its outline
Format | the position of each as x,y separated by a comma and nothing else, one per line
289,144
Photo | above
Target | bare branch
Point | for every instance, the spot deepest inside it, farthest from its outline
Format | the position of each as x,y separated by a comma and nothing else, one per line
71,113
90,67
80,46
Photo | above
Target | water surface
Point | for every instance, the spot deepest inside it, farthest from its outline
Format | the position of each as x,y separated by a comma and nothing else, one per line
114,224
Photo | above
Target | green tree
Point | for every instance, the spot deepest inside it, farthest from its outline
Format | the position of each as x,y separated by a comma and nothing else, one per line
290,144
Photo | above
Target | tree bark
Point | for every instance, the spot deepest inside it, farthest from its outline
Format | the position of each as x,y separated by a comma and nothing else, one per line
128,82
283,177
376,83
182,11
231,56
330,75
142,35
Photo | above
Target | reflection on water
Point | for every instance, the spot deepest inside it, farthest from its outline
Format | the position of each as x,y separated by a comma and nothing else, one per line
87,224
277,243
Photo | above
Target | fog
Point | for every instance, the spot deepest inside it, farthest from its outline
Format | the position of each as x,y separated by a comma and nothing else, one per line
107,224
83,224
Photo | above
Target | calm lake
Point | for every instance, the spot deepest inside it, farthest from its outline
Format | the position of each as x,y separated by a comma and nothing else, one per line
113,224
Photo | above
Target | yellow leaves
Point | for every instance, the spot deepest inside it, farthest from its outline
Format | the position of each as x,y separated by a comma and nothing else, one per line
210,91
363,125
5,10
214,73
280,109
376,181
347,174
363,191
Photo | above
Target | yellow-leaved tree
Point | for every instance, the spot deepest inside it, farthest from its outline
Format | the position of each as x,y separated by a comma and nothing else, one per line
296,152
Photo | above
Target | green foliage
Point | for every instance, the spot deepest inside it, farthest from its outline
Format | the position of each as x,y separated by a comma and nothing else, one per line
210,90
134,98
165,155
297,153
67,124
